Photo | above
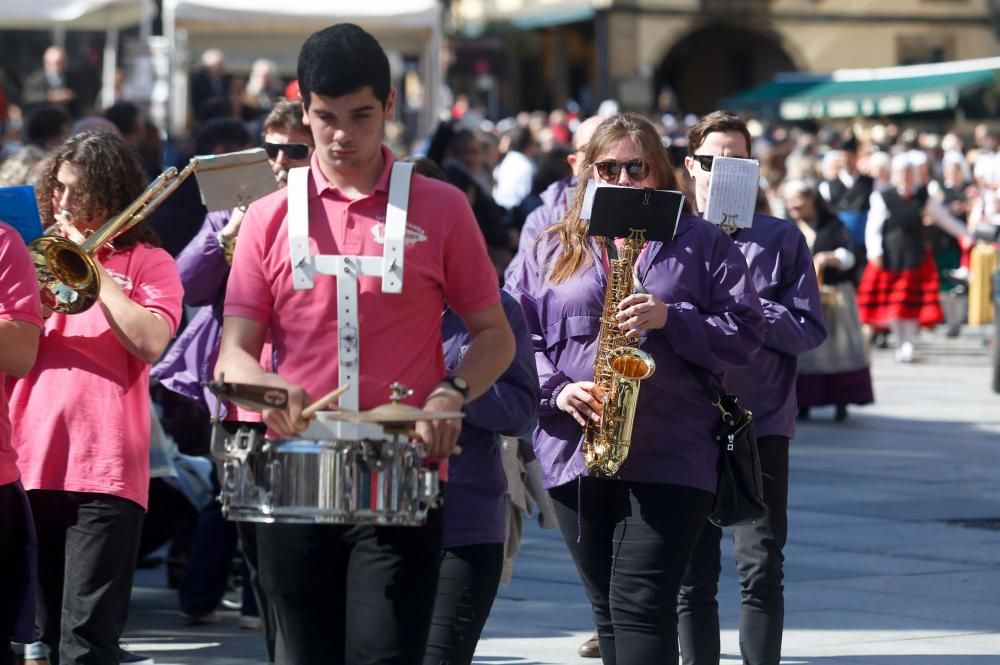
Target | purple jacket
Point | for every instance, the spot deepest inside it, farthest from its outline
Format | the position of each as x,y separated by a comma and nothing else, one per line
474,506
191,358
555,202
715,321
781,267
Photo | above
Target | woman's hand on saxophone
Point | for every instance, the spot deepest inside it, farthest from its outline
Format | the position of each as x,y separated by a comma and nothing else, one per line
641,311
582,400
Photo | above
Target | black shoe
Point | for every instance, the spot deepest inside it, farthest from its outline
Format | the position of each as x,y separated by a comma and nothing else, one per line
590,649
841,414
129,658
803,413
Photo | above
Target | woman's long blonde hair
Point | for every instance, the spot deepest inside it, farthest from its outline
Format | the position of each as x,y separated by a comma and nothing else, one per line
572,230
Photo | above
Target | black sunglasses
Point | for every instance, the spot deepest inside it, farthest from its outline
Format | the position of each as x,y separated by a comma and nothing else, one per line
609,170
291,150
705,161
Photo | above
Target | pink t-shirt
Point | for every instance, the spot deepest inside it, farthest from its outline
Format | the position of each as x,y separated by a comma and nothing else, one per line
81,417
400,334
18,302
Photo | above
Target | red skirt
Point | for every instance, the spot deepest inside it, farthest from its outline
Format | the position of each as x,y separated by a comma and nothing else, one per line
885,296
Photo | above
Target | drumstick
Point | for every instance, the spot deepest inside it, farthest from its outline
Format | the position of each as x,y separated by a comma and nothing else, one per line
323,401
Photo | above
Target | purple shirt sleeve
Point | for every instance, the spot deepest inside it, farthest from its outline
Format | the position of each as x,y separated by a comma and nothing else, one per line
725,334
791,307
202,263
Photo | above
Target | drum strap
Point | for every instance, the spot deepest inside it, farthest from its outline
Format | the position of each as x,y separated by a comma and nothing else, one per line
348,268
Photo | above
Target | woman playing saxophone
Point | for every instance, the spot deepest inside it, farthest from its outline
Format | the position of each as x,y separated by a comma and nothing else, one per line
630,534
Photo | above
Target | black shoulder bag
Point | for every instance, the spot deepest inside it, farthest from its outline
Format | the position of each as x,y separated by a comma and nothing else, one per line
740,496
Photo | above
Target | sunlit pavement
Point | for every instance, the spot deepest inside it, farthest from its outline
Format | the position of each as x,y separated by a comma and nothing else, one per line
893,553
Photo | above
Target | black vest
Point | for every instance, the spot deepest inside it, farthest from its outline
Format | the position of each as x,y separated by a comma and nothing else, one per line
903,233
855,198
831,234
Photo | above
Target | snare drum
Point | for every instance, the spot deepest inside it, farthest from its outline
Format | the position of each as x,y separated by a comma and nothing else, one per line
317,481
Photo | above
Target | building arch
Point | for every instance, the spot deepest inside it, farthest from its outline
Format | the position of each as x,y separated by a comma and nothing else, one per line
719,59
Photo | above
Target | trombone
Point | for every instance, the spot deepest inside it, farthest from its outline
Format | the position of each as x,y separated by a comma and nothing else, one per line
68,279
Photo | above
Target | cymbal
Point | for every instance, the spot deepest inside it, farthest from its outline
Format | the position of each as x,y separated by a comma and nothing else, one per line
391,413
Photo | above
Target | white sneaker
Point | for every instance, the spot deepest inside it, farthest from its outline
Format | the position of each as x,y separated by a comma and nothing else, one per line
904,354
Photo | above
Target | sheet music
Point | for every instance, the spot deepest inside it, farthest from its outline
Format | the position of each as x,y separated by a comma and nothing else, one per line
732,194
234,179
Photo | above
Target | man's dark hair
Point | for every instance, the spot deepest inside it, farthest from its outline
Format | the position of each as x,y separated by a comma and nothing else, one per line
717,121
47,122
229,133
521,139
342,59
125,116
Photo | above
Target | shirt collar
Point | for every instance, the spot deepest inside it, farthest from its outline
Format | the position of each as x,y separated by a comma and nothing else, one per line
319,182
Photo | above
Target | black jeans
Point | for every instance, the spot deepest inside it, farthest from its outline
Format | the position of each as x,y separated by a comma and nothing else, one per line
14,562
247,532
351,594
466,589
631,543
87,549
759,560
213,546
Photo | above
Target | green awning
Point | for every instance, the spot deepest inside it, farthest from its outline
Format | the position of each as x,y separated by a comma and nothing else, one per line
802,100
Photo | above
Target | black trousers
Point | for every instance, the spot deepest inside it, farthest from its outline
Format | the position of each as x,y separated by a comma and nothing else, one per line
351,594
466,589
87,549
631,543
16,576
248,544
759,560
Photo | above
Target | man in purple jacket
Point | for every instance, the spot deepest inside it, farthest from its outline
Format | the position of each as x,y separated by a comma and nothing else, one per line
474,496
781,267
556,197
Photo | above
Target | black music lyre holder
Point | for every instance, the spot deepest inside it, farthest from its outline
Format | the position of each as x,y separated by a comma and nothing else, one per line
619,211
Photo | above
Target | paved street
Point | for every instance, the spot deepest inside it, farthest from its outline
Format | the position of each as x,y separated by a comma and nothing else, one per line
885,564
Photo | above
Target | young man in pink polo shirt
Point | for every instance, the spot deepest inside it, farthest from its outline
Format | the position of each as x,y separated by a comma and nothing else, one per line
20,322
81,415
358,593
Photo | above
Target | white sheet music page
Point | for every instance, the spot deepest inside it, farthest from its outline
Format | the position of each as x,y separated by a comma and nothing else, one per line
732,195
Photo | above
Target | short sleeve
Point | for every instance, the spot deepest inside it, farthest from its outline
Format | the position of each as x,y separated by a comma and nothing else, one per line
248,292
19,299
158,287
471,281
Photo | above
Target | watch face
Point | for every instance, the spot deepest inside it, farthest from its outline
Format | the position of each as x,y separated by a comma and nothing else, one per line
460,384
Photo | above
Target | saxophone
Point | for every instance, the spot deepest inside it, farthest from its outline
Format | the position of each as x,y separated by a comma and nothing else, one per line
619,367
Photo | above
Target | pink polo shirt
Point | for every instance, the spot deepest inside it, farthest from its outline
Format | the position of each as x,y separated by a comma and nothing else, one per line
81,417
400,334
18,302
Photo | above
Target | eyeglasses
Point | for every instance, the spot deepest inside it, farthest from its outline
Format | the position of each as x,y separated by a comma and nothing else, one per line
705,161
610,170
291,150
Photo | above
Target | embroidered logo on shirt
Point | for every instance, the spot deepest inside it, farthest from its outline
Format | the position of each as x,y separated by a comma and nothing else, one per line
414,233
124,281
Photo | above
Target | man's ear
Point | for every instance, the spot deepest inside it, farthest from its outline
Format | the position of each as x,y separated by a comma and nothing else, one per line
390,105
571,160
689,165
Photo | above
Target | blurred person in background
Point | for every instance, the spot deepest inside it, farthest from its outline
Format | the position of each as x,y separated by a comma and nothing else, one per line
899,288
210,81
837,371
951,190
262,90
55,83
47,127
515,173
131,122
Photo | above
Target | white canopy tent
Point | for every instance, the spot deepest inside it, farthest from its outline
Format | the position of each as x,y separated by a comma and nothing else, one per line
275,29
61,16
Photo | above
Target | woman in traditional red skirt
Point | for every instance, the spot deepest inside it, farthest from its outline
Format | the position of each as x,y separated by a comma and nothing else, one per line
899,288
